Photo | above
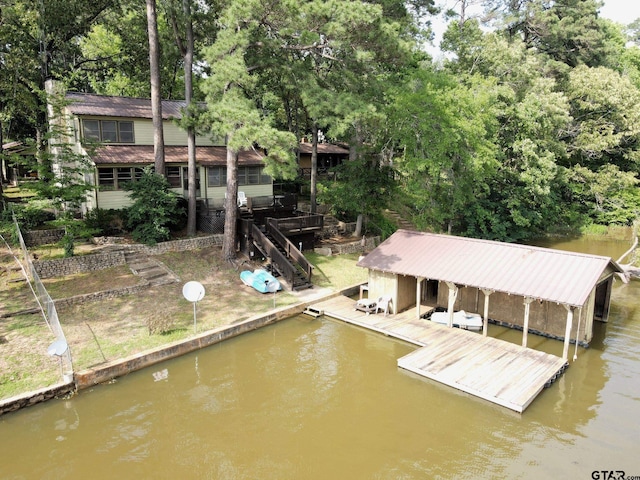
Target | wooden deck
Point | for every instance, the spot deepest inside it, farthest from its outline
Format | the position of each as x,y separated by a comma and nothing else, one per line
500,372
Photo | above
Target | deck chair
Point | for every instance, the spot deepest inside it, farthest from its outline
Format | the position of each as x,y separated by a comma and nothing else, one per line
242,199
383,304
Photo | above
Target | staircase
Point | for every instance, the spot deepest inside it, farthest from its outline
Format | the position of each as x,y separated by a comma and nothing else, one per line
286,260
399,220
154,271
300,280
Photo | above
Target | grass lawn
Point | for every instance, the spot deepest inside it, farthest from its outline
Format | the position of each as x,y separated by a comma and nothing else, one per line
109,329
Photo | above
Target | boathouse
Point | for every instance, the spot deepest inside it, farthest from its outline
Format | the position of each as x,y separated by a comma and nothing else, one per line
551,292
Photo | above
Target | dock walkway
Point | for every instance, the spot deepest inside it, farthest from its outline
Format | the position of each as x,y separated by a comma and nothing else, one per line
500,372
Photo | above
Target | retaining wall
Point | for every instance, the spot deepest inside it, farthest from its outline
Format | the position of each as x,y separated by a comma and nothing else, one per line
90,297
33,238
108,371
60,267
38,396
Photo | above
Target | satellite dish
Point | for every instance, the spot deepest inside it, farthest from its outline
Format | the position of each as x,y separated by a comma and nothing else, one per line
57,348
193,291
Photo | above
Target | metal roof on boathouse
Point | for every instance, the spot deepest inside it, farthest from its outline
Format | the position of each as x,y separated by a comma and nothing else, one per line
541,273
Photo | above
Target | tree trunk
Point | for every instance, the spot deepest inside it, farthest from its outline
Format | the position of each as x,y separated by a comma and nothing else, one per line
314,167
156,101
191,134
230,207
358,231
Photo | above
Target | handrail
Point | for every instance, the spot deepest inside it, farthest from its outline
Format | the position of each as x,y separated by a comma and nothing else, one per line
297,224
292,251
286,269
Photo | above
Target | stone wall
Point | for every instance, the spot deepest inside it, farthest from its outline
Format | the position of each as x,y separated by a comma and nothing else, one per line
90,297
60,267
194,243
33,238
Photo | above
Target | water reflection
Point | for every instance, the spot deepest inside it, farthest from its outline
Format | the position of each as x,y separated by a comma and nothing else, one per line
317,399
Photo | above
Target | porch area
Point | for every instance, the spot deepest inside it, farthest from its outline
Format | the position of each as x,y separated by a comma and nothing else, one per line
500,372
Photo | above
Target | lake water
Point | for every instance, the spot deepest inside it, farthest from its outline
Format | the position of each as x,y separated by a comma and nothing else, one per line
318,399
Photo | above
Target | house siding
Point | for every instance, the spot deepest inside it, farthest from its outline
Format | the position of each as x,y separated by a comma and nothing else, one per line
114,199
173,135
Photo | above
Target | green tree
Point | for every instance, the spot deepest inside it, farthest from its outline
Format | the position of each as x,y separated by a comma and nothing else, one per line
155,207
358,189
605,106
231,109
445,132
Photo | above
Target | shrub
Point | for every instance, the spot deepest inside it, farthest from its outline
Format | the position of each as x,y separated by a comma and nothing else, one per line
106,222
154,208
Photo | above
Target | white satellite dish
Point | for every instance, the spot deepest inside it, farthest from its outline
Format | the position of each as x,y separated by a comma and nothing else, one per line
57,348
193,291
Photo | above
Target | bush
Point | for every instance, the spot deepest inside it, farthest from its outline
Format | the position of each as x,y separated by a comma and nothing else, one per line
31,215
106,222
154,208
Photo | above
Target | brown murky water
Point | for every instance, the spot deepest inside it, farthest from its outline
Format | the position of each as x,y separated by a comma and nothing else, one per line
317,399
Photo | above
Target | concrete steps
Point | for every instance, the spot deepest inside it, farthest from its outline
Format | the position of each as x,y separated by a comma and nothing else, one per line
152,270
399,220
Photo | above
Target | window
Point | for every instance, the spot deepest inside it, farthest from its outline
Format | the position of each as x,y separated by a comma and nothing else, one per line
110,178
91,129
125,175
173,176
107,131
217,176
106,180
253,175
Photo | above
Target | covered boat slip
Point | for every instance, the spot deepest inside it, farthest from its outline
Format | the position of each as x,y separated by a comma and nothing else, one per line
500,372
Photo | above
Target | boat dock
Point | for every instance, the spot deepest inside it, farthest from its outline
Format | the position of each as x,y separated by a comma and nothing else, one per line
495,370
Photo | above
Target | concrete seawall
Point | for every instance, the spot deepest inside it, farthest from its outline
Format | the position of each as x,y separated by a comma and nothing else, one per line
108,371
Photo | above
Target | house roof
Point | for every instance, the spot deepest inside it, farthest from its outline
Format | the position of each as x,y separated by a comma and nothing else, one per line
323,148
128,107
144,155
540,273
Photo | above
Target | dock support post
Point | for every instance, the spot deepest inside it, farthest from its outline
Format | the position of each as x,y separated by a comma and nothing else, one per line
485,319
525,327
453,293
418,295
567,332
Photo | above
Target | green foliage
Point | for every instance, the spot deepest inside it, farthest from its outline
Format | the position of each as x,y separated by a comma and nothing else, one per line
154,207
378,224
31,215
360,187
608,196
106,222
68,244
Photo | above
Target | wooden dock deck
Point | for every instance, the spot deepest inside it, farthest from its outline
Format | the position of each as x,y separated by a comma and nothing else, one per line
500,372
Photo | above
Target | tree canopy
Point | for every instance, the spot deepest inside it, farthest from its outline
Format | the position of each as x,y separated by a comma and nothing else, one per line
529,123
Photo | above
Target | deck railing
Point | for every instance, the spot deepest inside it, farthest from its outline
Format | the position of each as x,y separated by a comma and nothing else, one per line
298,224
285,268
291,250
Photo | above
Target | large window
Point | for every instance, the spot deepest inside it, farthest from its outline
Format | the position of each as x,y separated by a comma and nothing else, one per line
110,178
253,175
107,131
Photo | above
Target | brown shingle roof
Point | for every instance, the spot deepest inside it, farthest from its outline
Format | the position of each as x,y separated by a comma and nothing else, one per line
108,106
541,273
143,154
305,147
